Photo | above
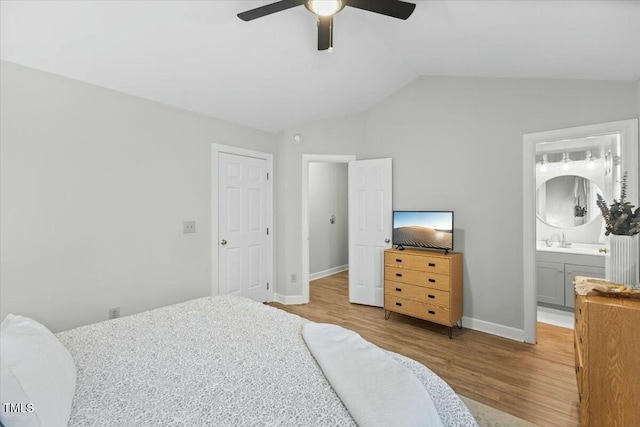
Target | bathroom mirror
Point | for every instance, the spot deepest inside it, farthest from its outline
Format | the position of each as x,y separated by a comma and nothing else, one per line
567,201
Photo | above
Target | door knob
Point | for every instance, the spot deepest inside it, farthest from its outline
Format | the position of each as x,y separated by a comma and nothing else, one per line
387,240
223,242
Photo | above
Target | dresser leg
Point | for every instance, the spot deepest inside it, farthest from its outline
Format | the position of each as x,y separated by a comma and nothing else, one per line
450,332
459,326
387,314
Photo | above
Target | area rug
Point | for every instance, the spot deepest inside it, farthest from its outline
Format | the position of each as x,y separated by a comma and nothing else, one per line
486,416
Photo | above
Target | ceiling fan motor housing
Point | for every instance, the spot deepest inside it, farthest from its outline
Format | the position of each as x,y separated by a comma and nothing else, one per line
324,7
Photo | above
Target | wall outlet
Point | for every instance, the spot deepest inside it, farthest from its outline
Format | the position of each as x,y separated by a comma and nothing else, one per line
114,312
294,278
189,227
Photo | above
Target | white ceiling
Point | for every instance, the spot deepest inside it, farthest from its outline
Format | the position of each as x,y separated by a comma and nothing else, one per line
267,73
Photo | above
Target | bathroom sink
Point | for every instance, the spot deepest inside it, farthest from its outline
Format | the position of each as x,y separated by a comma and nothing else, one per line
574,248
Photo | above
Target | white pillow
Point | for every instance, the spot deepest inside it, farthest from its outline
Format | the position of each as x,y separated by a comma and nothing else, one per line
36,369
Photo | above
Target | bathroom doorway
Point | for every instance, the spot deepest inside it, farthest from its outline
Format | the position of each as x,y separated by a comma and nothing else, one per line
562,172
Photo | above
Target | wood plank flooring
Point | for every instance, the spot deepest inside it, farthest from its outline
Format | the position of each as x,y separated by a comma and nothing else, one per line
533,382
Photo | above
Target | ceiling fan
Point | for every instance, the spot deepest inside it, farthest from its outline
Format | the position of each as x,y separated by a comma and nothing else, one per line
325,9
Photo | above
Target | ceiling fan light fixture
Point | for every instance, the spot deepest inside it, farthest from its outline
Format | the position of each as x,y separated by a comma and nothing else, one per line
325,7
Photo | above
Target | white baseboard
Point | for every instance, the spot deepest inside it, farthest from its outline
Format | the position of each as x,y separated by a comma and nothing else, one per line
288,299
329,272
493,328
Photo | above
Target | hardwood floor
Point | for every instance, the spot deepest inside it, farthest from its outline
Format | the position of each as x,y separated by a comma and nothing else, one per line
533,382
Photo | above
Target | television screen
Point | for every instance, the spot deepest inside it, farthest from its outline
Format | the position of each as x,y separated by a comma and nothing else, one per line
422,229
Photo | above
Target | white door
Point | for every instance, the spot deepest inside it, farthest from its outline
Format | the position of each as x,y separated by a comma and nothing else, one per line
370,228
242,226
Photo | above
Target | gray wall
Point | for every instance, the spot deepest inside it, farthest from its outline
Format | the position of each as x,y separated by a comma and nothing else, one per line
328,243
456,143
95,186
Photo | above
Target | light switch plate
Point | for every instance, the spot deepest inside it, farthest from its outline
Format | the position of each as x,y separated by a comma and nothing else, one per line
189,227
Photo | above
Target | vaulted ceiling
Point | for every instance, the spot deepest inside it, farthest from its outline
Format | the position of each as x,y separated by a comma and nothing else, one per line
267,73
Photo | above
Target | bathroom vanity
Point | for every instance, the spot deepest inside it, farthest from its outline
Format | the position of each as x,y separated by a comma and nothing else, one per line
556,268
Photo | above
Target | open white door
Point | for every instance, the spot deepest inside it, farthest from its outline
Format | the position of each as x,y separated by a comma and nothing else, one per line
243,226
370,228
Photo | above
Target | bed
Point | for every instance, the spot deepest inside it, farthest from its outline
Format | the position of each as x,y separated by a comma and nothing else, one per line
214,361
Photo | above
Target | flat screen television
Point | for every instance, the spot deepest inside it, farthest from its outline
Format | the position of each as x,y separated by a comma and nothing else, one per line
423,229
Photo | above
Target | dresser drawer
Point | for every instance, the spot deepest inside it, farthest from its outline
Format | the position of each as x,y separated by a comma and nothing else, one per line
579,364
417,293
419,278
580,315
417,262
432,313
580,329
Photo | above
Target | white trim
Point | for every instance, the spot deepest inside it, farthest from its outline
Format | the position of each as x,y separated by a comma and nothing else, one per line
530,291
306,159
493,328
329,272
628,130
552,316
216,149
289,299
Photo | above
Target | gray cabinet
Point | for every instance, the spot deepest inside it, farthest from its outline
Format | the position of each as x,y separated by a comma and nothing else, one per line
572,270
555,279
550,282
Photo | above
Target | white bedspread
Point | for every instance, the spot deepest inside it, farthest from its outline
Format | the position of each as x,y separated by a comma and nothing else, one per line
216,361
377,390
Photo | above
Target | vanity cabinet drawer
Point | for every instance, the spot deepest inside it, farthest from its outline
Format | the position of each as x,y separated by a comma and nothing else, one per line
417,293
419,278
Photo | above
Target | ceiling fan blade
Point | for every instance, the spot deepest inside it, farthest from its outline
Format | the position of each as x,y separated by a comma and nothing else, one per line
325,32
394,8
259,12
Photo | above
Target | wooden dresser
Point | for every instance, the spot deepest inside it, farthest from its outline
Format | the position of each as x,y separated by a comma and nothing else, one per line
424,284
607,347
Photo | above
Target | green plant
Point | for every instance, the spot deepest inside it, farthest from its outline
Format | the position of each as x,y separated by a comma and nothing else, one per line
620,218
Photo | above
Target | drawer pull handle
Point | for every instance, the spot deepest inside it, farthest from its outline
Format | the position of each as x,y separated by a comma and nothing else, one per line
399,289
432,296
431,264
432,312
432,280
399,304
398,274
398,260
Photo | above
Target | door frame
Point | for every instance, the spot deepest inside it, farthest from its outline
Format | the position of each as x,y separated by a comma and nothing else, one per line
216,149
306,159
628,130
